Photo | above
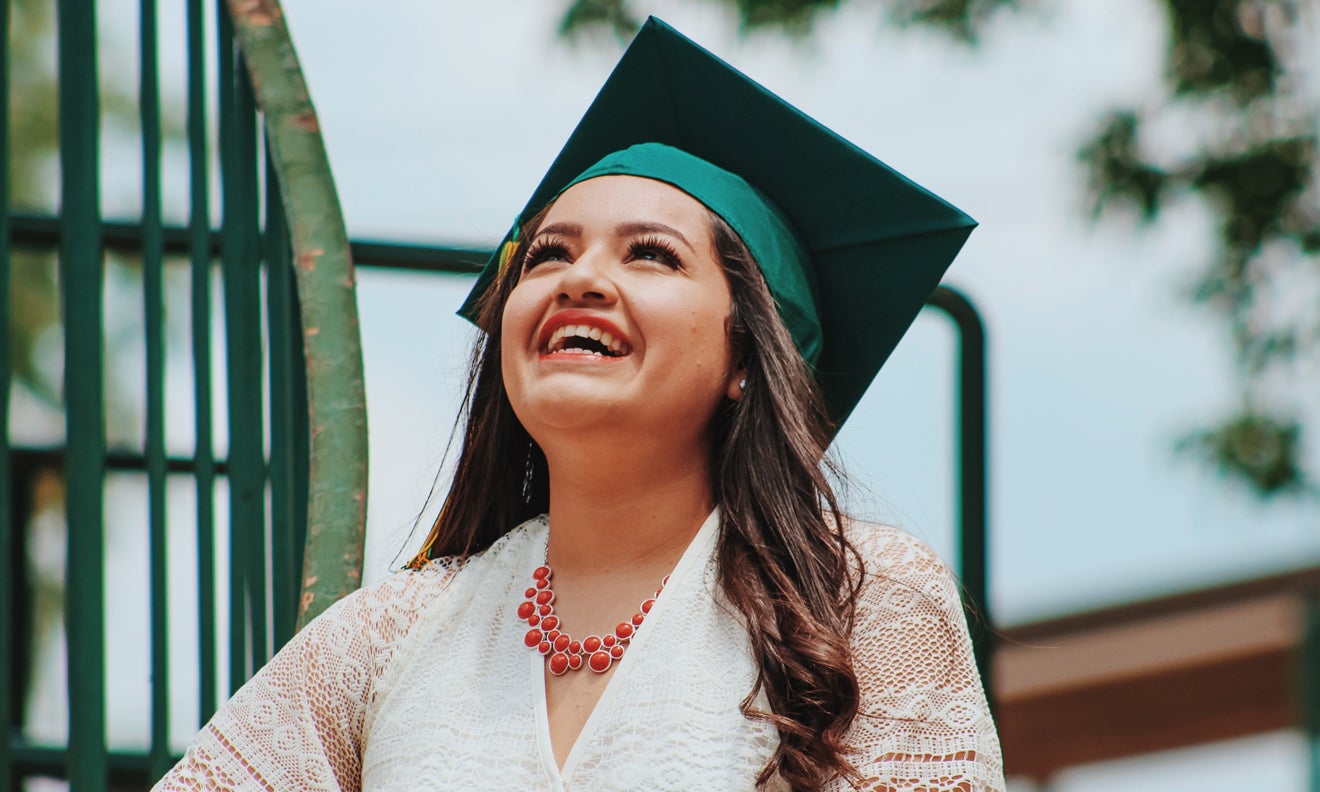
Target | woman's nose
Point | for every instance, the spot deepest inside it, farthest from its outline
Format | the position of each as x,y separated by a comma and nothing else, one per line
587,279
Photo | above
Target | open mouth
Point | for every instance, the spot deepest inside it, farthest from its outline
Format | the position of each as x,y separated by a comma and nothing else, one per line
585,340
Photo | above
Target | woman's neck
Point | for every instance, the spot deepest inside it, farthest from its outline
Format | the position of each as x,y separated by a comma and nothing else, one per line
631,510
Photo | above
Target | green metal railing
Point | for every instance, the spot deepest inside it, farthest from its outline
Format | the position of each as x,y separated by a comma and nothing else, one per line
278,206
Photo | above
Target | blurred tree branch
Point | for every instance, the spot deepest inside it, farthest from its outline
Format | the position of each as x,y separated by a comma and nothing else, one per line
1232,65
962,20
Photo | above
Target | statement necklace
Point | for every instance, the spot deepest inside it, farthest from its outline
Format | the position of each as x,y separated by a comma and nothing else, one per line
565,653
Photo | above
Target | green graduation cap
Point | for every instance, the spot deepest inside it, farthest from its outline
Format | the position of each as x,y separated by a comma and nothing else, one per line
850,248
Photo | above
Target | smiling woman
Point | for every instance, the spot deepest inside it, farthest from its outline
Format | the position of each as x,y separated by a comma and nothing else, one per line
640,577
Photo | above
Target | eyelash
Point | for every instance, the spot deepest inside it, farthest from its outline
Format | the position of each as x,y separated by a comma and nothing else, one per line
663,251
544,249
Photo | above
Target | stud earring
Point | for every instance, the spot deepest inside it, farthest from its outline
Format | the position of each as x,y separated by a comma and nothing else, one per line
742,384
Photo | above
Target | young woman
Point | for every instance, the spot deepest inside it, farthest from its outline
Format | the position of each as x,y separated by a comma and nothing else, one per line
641,578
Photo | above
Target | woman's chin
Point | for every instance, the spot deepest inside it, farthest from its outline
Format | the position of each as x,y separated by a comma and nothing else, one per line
575,406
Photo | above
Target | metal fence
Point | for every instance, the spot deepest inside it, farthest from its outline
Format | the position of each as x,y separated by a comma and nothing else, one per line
265,470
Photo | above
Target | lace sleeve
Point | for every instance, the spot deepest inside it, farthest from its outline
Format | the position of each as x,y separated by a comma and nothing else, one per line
923,724
297,724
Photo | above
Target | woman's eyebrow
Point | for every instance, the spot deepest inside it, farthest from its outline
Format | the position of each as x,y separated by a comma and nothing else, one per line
561,229
633,229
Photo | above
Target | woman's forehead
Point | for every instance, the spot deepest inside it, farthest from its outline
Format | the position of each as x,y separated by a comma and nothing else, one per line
615,199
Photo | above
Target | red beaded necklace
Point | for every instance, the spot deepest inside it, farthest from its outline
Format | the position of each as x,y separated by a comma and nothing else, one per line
563,652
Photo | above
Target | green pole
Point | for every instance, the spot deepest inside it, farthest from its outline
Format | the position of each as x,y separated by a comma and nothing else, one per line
1309,683
973,480
241,268
199,243
8,680
243,331
284,413
81,288
332,564
153,244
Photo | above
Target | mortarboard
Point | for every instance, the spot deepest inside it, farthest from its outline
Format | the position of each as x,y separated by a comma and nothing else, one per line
876,244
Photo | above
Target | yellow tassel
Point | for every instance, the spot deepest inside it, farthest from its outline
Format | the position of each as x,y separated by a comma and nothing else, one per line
507,252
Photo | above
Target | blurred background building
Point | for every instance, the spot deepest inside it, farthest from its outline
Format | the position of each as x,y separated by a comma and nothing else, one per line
1145,176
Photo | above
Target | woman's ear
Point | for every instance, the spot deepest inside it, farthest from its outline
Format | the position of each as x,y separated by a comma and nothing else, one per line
737,384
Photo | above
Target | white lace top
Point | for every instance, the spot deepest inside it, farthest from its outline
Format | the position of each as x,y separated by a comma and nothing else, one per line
422,682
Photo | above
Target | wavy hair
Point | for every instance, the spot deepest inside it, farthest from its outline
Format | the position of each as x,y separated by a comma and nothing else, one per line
782,552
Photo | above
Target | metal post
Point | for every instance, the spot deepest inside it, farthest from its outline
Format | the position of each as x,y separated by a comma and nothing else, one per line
199,239
973,558
81,288
8,575
242,272
286,410
153,266
1308,680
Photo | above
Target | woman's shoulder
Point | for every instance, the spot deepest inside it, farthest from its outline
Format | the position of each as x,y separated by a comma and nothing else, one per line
383,612
386,610
888,548
899,568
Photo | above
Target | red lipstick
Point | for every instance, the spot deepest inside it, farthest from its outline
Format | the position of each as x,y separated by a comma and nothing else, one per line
576,316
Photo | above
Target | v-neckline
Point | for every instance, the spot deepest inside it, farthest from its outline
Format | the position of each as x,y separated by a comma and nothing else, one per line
558,776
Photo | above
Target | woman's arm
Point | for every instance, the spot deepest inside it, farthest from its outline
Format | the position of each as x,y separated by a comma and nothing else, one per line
297,724
923,724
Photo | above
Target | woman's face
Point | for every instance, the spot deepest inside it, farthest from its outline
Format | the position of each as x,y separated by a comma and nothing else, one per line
619,319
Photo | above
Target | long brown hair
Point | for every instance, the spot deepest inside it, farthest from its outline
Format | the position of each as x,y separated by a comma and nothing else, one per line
782,551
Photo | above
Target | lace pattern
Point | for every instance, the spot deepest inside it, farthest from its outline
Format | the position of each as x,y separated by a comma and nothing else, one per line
297,724
362,683
923,724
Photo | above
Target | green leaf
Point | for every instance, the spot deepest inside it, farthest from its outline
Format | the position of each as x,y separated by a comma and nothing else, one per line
1116,173
1254,448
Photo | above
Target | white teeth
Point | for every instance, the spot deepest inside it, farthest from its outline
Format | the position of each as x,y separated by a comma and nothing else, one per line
556,342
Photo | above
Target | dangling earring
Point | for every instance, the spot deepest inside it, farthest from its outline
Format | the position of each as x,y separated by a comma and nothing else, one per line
527,475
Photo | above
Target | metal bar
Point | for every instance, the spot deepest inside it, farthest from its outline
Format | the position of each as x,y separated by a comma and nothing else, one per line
36,232
242,284
126,769
118,461
973,559
450,259
283,450
153,274
336,391
81,287
9,692
231,238
251,468
201,245
42,232
1308,681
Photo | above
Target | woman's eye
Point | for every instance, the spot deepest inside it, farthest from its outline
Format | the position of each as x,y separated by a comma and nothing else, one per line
544,252
660,252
